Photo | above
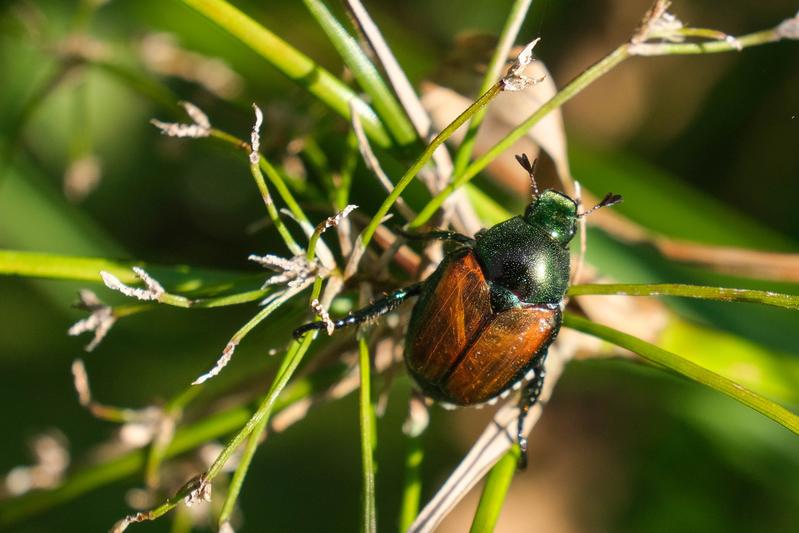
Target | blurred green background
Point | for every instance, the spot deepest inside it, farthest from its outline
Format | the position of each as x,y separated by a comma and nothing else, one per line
711,140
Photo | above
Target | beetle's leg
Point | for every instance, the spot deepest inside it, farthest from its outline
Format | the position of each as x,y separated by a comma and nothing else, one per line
442,235
375,309
530,394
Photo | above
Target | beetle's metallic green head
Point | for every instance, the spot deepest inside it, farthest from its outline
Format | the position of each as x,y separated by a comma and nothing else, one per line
556,213
553,211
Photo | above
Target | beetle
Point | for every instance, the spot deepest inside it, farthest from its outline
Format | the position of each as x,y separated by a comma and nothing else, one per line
484,320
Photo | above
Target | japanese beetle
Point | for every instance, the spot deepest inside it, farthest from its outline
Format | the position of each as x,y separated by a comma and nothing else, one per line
486,317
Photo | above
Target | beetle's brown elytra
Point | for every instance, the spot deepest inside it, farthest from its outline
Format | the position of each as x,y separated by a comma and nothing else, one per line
487,315
461,351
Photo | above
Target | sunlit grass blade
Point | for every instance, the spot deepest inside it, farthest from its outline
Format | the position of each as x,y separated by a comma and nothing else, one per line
412,488
422,160
507,37
574,87
368,441
368,77
74,268
291,62
564,95
236,482
691,370
291,244
394,72
201,283
723,294
494,491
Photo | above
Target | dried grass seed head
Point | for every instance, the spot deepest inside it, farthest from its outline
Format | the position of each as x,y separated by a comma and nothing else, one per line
515,79
255,135
200,127
99,321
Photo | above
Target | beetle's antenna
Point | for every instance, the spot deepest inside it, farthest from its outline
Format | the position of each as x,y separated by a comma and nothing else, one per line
609,200
524,161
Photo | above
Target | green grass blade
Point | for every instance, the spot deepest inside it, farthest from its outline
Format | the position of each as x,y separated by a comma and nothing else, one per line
507,37
564,95
422,160
234,489
61,267
723,294
291,62
196,281
494,491
691,370
368,77
368,441
412,488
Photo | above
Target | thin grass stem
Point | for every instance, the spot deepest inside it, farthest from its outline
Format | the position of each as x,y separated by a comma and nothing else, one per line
576,86
494,492
236,482
412,484
507,37
368,77
291,62
291,244
723,294
563,96
417,165
368,440
691,370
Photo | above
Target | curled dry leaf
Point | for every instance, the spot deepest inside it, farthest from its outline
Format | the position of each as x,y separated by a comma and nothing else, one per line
504,114
418,417
343,387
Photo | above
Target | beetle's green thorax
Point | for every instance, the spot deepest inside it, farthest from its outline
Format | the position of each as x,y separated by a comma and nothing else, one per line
523,259
556,213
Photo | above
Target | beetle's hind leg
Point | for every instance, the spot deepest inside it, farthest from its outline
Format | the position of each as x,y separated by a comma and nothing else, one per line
530,393
375,309
441,235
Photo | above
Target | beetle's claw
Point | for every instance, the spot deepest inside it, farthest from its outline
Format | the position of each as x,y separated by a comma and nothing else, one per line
302,330
522,465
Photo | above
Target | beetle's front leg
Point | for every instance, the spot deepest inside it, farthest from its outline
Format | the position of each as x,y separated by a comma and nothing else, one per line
375,309
441,235
530,393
